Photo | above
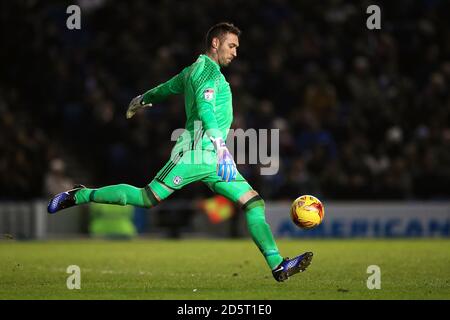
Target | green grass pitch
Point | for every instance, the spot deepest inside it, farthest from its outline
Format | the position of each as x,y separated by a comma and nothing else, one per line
222,269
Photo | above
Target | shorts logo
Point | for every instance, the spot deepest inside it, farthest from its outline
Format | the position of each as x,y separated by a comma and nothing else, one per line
208,94
177,180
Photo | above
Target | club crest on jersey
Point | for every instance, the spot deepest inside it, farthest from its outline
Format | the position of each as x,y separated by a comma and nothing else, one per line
177,180
208,94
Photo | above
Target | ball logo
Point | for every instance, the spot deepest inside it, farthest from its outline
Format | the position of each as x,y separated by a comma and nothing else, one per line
300,203
177,180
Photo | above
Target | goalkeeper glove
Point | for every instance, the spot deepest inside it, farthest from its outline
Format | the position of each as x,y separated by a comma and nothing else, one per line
226,168
136,104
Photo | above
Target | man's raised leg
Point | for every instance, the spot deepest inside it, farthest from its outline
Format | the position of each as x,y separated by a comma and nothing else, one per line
120,194
254,208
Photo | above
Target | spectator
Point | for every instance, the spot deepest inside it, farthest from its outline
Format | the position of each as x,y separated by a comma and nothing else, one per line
56,180
362,114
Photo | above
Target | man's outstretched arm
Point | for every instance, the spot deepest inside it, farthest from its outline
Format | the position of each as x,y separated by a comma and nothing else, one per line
173,86
205,99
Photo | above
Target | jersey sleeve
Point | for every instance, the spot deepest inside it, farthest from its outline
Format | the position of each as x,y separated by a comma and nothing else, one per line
205,91
173,86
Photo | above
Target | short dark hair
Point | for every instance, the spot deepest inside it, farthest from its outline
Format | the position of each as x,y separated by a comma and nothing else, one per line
219,30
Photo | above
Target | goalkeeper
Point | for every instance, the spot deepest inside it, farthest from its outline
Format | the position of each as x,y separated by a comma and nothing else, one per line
200,154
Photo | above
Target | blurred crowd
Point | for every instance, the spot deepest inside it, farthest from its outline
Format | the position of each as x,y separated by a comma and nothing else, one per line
363,114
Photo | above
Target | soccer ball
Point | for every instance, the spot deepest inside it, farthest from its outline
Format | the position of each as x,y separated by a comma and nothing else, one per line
307,212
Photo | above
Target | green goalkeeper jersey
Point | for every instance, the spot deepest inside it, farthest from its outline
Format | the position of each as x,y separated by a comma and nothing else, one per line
208,103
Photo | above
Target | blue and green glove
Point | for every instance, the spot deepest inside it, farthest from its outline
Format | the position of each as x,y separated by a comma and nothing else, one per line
226,168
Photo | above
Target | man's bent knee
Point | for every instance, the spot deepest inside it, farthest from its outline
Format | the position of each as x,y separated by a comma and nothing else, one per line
250,199
151,198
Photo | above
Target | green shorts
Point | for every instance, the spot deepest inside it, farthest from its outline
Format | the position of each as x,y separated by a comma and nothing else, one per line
196,165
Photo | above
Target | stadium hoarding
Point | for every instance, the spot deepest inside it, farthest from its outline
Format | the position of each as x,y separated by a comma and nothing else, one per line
25,220
367,219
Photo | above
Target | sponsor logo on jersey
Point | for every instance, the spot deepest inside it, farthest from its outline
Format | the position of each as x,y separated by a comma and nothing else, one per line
208,94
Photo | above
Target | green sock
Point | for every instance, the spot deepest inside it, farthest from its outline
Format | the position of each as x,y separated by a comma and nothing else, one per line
261,233
121,194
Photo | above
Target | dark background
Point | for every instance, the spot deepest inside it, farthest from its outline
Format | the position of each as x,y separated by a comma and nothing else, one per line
363,114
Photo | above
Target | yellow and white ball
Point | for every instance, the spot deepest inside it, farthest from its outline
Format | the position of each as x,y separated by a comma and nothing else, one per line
307,212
